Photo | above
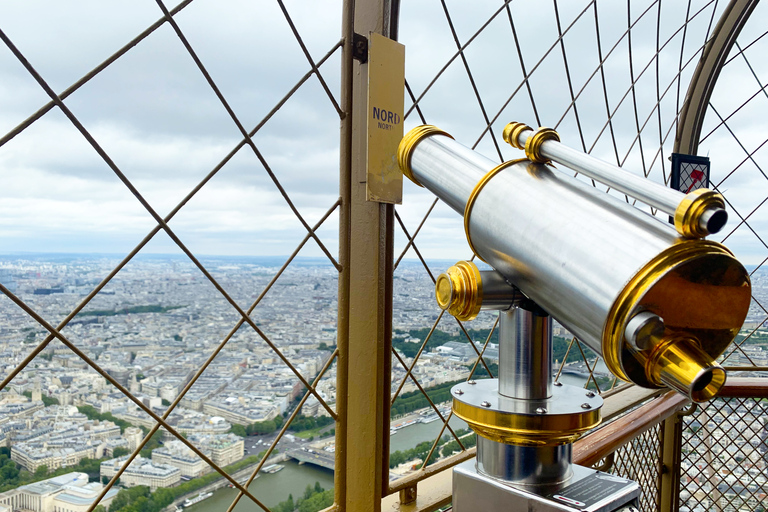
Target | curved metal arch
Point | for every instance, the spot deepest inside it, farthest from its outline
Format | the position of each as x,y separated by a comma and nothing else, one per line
707,72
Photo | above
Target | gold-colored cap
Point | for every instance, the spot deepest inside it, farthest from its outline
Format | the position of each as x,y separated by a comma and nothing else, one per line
511,134
460,290
534,142
408,143
703,294
688,215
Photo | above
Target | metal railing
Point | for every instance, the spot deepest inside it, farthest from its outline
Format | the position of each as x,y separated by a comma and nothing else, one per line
169,19
724,451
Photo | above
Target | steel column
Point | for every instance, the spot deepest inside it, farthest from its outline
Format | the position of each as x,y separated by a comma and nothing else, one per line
365,288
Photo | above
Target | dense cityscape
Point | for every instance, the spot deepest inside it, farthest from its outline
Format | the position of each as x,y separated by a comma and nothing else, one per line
156,323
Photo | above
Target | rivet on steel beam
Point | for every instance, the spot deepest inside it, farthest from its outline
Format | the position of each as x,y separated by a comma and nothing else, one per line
586,406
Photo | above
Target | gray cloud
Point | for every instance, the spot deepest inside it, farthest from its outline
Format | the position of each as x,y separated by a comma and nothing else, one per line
159,120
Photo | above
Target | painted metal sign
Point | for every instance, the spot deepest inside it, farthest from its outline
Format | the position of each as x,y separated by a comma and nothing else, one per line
386,86
689,172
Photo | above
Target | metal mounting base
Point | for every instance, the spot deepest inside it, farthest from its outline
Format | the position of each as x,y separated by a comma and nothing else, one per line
586,491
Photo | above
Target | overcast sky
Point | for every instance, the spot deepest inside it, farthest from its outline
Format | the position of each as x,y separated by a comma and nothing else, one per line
153,112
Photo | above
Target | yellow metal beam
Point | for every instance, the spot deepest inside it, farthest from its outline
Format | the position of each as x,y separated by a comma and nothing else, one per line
433,492
365,293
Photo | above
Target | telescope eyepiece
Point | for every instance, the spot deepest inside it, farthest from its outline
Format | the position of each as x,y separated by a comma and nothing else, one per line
700,213
712,221
679,363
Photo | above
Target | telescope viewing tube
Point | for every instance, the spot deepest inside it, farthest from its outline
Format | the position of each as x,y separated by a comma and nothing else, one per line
659,308
696,214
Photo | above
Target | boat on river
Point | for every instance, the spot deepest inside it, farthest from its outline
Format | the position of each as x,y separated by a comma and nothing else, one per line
273,468
197,499
398,426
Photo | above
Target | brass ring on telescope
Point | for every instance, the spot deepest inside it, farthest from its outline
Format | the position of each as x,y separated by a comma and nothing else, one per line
560,419
660,275
459,290
534,142
408,143
527,430
511,134
476,191
691,208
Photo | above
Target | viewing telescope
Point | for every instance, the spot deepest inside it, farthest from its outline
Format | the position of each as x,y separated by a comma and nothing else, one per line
657,301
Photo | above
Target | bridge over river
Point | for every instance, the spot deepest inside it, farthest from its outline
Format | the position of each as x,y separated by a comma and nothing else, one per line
317,457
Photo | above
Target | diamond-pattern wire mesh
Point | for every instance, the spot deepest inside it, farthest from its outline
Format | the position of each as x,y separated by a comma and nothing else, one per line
55,332
639,460
736,144
724,458
631,124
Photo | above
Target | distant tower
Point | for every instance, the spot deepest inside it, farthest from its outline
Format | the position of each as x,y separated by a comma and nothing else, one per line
134,386
36,392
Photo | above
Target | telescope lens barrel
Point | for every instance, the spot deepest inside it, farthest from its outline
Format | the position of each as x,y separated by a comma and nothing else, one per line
712,221
679,363
697,214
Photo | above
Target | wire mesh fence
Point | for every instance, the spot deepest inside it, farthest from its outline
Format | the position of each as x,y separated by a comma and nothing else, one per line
187,114
611,80
640,461
728,137
724,449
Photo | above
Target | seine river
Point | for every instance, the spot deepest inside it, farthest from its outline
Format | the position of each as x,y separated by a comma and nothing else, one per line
272,489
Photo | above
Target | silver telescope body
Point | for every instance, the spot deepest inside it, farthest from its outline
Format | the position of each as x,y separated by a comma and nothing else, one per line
658,305
695,215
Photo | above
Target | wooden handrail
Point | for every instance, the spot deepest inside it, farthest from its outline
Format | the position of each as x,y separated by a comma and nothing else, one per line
741,387
594,447
599,444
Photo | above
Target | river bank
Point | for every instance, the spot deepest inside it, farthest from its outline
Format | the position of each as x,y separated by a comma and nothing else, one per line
271,489
240,476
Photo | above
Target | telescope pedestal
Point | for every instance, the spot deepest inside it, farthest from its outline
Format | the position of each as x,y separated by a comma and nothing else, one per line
525,426
525,465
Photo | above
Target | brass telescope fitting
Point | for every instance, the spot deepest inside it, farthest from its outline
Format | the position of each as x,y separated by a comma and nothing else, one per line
679,363
532,146
699,213
534,142
511,134
409,142
702,294
463,290
526,422
460,290
696,214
